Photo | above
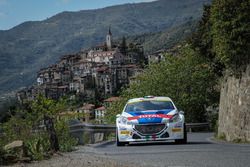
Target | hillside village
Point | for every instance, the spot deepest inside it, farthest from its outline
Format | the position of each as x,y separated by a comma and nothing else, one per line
98,72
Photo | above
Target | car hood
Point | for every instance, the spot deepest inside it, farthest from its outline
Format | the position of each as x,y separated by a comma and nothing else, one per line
150,116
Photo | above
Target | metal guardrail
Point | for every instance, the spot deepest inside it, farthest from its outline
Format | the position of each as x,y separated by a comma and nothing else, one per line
88,133
80,130
92,128
97,133
112,128
191,126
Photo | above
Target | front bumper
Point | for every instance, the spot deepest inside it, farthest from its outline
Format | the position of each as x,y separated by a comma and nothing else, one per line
171,131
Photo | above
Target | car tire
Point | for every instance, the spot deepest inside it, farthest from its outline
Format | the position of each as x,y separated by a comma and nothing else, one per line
118,143
184,140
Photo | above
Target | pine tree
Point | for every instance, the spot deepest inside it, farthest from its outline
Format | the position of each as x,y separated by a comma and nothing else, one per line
123,46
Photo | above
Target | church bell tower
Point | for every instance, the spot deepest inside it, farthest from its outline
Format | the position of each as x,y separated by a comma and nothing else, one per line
109,39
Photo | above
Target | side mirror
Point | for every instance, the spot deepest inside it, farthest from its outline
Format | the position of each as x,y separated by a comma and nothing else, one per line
118,115
181,112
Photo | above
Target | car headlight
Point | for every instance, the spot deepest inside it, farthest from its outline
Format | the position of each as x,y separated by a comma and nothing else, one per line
123,120
175,118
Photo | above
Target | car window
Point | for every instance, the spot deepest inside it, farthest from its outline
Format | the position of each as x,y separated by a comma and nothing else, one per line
149,105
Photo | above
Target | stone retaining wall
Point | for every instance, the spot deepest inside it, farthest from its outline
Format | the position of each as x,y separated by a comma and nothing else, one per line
234,112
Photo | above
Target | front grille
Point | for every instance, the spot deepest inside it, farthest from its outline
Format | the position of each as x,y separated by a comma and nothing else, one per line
149,129
135,136
165,135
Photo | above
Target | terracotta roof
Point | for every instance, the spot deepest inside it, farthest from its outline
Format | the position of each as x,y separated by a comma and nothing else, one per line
130,66
101,108
101,69
88,106
82,62
103,53
112,99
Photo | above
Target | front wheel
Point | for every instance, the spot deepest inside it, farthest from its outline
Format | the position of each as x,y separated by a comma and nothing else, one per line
184,140
118,143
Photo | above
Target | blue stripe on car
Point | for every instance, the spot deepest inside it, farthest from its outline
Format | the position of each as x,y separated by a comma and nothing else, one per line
149,120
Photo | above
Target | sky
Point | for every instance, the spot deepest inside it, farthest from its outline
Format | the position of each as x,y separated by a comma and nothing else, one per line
14,12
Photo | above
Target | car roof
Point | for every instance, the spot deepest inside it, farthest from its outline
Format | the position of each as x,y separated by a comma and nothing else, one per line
146,98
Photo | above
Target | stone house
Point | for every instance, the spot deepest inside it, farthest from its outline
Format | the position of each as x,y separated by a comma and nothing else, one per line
156,57
89,112
109,101
100,114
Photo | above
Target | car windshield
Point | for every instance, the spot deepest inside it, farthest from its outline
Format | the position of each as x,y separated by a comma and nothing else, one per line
149,105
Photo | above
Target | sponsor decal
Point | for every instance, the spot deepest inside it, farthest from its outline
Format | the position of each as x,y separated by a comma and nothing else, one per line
142,99
178,125
124,132
150,116
154,137
176,130
122,128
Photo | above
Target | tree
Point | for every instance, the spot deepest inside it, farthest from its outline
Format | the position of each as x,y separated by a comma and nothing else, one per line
230,32
45,110
202,42
123,46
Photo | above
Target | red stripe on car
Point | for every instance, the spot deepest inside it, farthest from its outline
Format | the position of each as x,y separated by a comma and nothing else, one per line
150,116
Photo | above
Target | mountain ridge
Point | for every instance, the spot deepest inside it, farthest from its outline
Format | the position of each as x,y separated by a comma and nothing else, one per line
26,48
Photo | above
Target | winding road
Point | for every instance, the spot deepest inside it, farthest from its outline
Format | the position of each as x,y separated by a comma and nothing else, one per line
200,151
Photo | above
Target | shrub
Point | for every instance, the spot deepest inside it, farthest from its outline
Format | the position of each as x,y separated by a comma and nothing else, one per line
66,142
2,155
37,146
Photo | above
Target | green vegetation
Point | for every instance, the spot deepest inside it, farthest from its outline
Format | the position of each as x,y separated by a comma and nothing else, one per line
187,79
164,39
222,136
7,107
40,128
230,31
223,35
38,146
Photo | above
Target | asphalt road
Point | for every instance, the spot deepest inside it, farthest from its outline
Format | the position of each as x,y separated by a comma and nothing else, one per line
197,153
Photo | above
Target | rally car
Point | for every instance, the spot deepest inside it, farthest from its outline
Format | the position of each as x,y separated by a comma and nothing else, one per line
150,119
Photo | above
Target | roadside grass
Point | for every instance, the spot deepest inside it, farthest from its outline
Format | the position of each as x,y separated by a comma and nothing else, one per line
36,145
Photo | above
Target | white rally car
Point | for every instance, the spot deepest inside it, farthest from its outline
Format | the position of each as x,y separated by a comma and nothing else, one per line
150,119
